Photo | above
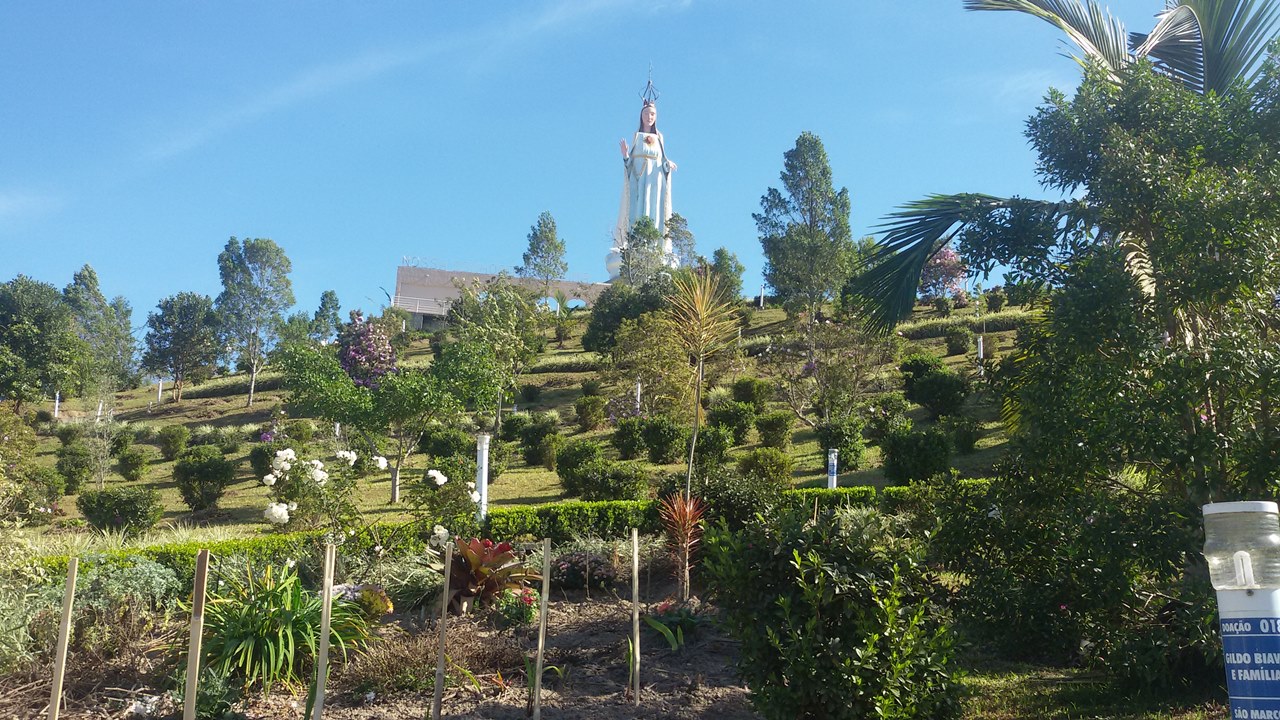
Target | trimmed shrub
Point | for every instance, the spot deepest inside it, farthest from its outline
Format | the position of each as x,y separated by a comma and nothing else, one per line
942,305
996,299
775,428
730,497
713,446
301,430
532,435
912,456
571,457
132,510
548,447
769,465
202,475
75,465
739,417
566,520
587,362
446,441
959,340
664,438
917,365
592,388
964,432
590,411
173,440
941,392
628,438
121,441
885,412
132,463
513,426
69,432
261,456
608,480
753,391
845,436
530,394
829,499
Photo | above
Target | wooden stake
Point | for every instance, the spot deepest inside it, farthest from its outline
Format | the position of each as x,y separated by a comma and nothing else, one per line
635,615
197,635
542,627
444,619
326,618
64,635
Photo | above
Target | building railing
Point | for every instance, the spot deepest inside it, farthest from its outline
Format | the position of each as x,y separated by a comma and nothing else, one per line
422,306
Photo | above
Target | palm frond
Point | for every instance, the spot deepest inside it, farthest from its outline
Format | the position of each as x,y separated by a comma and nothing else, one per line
1091,27
1209,44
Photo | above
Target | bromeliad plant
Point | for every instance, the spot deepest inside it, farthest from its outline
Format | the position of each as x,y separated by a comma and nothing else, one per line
263,627
482,569
682,519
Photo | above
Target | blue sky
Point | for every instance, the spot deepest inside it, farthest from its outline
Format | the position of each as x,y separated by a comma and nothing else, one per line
138,136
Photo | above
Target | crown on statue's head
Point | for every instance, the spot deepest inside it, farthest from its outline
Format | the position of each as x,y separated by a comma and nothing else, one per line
650,93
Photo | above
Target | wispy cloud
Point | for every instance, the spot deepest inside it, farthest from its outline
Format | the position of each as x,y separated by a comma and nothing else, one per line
324,79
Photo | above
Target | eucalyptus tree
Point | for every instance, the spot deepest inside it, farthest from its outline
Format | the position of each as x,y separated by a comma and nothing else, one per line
255,293
182,339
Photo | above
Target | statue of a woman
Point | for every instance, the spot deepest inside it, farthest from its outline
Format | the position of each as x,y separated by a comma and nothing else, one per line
646,188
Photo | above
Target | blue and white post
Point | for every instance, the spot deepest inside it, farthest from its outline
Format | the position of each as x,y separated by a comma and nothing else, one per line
482,474
1242,547
833,456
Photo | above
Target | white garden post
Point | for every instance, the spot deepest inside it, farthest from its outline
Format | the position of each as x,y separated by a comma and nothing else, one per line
98,417
159,390
337,430
57,402
635,615
761,297
637,397
482,473
833,456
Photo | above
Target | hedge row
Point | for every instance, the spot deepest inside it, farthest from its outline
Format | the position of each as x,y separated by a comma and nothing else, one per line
994,322
558,521
589,363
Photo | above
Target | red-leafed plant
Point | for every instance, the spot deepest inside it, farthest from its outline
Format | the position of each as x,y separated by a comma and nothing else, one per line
682,519
482,569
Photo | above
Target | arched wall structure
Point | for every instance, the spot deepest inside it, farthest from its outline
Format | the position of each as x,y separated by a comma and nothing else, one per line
425,293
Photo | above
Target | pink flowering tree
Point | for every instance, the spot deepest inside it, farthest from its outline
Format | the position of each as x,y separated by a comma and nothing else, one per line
944,274
364,351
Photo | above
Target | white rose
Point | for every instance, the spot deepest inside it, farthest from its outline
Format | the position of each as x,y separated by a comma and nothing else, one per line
276,513
319,476
471,486
437,477
475,496
268,479
293,506
381,462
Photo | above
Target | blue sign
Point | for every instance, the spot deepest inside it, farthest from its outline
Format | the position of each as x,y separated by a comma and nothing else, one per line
1251,647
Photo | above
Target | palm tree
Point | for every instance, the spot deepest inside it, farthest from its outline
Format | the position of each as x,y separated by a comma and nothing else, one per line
704,323
1210,46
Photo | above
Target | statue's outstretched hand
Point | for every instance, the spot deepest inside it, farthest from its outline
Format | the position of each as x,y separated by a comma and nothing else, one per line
671,167
623,144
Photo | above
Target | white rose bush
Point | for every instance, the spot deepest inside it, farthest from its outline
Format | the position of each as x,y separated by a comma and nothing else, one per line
308,493
445,501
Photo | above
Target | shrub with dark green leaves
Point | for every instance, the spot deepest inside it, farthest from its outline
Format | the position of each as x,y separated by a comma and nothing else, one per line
548,449
132,463
121,441
910,456
917,365
665,439
609,480
739,417
300,430
45,484
69,432
753,391
885,412
959,340
732,497
445,441
202,475
628,438
530,394
570,459
532,435
592,388
775,428
964,432
833,618
714,443
590,411
996,299
941,392
173,440
513,426
261,455
846,437
132,510
767,464
943,305
75,465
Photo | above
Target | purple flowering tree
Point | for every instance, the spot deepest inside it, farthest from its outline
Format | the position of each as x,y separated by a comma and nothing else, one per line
943,275
364,351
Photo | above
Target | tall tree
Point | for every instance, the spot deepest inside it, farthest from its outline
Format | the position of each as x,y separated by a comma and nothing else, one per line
804,230
255,293
682,241
327,319
182,339
105,327
728,273
643,257
544,260
39,349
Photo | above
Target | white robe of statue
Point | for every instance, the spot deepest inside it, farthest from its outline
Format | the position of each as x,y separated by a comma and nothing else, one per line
646,191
